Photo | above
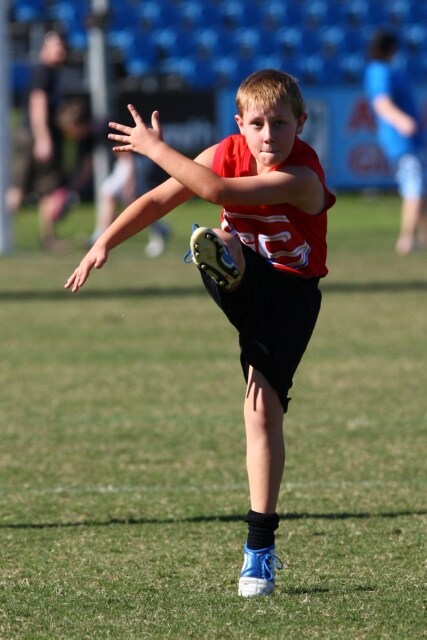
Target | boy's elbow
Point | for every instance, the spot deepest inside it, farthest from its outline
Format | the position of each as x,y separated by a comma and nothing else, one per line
211,194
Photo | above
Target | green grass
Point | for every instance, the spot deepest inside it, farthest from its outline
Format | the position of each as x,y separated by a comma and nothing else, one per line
122,479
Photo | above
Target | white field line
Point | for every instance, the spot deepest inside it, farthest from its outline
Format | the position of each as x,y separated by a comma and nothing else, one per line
202,488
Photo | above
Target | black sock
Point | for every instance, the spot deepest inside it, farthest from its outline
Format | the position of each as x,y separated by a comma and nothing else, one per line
261,528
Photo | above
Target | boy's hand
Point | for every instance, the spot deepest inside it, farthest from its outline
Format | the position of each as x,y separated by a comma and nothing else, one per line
139,138
96,257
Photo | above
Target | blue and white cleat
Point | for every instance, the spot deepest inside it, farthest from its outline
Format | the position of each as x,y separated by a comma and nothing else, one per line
211,256
258,572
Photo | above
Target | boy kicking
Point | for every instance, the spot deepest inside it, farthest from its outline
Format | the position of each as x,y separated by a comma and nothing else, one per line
261,266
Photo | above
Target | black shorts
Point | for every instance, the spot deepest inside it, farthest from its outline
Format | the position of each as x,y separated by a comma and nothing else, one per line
275,314
33,177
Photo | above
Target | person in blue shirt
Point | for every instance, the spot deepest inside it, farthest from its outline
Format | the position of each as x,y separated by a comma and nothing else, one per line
400,136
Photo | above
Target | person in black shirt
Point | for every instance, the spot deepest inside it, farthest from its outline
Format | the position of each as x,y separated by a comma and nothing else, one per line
39,169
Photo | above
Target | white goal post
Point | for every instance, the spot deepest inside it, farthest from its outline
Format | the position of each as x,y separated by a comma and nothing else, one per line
5,115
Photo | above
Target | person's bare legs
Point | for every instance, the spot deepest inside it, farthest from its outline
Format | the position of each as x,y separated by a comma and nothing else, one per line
263,414
265,452
46,220
411,215
14,199
48,217
105,215
265,448
422,226
265,461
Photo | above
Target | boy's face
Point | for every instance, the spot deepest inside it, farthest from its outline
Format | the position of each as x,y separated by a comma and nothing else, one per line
270,133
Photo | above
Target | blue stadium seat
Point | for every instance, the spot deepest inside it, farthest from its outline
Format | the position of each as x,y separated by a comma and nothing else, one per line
198,15
136,67
20,76
414,66
139,54
332,40
320,13
233,14
288,41
73,19
291,66
122,16
414,39
377,13
316,69
356,13
63,11
278,14
210,43
324,40
226,70
417,11
195,74
152,15
356,39
353,66
247,42
269,62
398,12
204,45
29,10
170,43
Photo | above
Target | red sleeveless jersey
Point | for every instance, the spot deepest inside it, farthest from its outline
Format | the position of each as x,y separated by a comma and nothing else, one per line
290,239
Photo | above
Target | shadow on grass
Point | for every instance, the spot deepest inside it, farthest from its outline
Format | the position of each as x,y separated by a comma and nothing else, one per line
101,294
198,290
306,591
310,591
200,519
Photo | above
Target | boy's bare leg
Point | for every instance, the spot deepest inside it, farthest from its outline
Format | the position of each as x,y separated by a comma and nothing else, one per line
265,453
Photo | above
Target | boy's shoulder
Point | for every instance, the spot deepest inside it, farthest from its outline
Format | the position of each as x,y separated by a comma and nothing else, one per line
232,152
233,144
301,153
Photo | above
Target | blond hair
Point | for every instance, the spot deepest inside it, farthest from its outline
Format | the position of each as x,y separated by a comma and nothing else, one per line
265,89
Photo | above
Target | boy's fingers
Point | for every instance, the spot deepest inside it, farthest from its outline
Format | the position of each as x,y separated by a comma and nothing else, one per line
134,113
69,282
155,123
78,278
126,148
120,127
115,136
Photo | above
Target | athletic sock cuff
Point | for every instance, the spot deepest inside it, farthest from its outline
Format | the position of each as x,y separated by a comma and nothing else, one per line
266,520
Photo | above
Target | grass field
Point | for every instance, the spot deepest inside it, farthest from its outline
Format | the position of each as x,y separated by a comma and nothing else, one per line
122,479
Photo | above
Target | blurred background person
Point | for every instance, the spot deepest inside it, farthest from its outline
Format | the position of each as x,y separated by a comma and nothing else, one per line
130,177
400,136
79,130
39,144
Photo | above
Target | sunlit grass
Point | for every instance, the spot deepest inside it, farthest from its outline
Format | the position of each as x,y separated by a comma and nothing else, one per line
122,477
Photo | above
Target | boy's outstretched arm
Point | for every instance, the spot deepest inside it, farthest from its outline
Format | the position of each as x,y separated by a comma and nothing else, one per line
296,185
96,257
137,216
194,175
